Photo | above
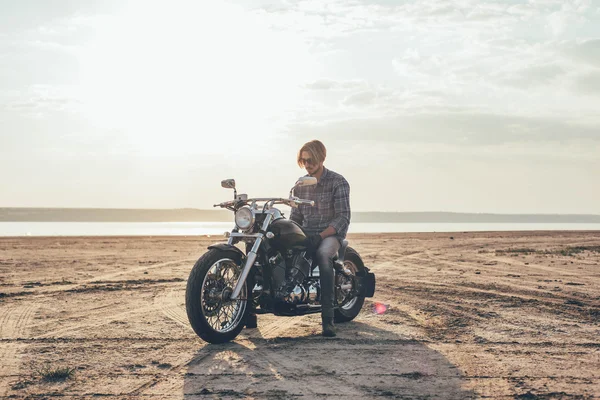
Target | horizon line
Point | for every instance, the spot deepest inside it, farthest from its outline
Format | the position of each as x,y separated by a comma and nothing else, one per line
373,212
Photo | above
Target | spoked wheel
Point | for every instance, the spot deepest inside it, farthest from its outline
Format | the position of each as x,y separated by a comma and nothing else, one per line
213,315
349,304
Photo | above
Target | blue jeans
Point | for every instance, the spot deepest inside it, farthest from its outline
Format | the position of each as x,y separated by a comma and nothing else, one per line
328,248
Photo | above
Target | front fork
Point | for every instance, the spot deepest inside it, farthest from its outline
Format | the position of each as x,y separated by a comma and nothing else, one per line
250,257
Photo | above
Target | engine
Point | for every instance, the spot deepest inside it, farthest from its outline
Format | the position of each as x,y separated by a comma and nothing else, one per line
291,279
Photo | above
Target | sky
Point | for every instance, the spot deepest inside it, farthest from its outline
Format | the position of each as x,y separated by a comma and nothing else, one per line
423,105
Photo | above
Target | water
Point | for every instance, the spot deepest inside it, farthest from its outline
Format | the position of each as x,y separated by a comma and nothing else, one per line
218,228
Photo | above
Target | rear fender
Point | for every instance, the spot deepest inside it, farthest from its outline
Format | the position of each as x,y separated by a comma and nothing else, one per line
365,278
366,284
351,250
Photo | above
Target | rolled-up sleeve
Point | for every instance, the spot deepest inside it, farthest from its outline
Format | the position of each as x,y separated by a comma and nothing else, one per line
341,206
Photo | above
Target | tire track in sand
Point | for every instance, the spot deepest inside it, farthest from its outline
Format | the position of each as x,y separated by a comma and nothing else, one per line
14,324
107,316
169,302
108,313
106,277
271,326
137,269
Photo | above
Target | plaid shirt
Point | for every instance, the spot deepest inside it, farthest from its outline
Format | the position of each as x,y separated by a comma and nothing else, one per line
332,205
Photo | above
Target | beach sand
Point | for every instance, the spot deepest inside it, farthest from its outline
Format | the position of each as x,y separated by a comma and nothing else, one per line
469,315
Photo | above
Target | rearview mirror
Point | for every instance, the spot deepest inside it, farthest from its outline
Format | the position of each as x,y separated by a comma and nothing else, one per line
228,183
307,181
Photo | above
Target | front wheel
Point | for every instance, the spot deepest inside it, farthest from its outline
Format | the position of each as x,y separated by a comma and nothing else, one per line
213,315
349,306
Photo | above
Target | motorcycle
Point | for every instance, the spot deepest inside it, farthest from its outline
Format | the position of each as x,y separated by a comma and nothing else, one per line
276,273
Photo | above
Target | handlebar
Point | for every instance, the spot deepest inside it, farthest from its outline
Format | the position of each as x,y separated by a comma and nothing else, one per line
290,202
302,201
225,204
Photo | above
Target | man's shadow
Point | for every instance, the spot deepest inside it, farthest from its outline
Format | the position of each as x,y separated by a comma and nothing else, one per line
362,362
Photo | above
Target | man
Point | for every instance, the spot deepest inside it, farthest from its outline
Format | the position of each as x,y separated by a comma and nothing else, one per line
326,222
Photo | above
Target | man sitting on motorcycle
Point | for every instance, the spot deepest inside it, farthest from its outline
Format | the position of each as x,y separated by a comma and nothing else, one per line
326,222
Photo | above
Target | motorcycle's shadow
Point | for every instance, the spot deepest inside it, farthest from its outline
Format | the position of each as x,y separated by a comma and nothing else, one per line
363,361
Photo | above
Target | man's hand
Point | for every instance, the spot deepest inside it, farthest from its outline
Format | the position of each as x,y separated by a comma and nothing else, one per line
313,242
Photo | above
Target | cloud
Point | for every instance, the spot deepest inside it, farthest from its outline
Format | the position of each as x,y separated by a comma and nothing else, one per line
558,22
381,97
51,46
339,18
588,84
570,13
465,128
543,78
466,20
365,97
38,101
413,64
331,84
484,12
532,76
587,51
524,11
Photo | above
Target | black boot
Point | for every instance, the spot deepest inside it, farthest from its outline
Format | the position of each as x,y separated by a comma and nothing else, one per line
251,321
328,326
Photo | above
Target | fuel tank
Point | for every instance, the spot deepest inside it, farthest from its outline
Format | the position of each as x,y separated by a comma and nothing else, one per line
288,235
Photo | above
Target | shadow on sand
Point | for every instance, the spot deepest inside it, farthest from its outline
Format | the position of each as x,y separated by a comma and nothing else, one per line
362,362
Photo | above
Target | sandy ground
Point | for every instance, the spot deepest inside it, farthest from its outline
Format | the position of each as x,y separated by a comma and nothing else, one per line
470,315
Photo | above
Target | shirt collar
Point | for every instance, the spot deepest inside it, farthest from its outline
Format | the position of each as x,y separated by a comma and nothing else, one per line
323,175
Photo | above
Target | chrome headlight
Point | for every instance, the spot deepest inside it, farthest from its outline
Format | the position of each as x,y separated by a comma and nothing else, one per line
244,218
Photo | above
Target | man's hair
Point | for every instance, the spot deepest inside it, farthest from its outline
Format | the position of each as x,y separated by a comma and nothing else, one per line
316,149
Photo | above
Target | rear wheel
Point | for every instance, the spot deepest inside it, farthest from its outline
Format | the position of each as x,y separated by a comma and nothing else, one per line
349,305
213,315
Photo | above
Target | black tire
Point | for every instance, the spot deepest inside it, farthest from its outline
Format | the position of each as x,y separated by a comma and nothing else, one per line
203,303
349,310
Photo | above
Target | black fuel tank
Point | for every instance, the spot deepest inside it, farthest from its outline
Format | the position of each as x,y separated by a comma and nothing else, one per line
288,234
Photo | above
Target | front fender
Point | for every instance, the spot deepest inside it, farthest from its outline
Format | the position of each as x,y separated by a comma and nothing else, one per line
226,246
